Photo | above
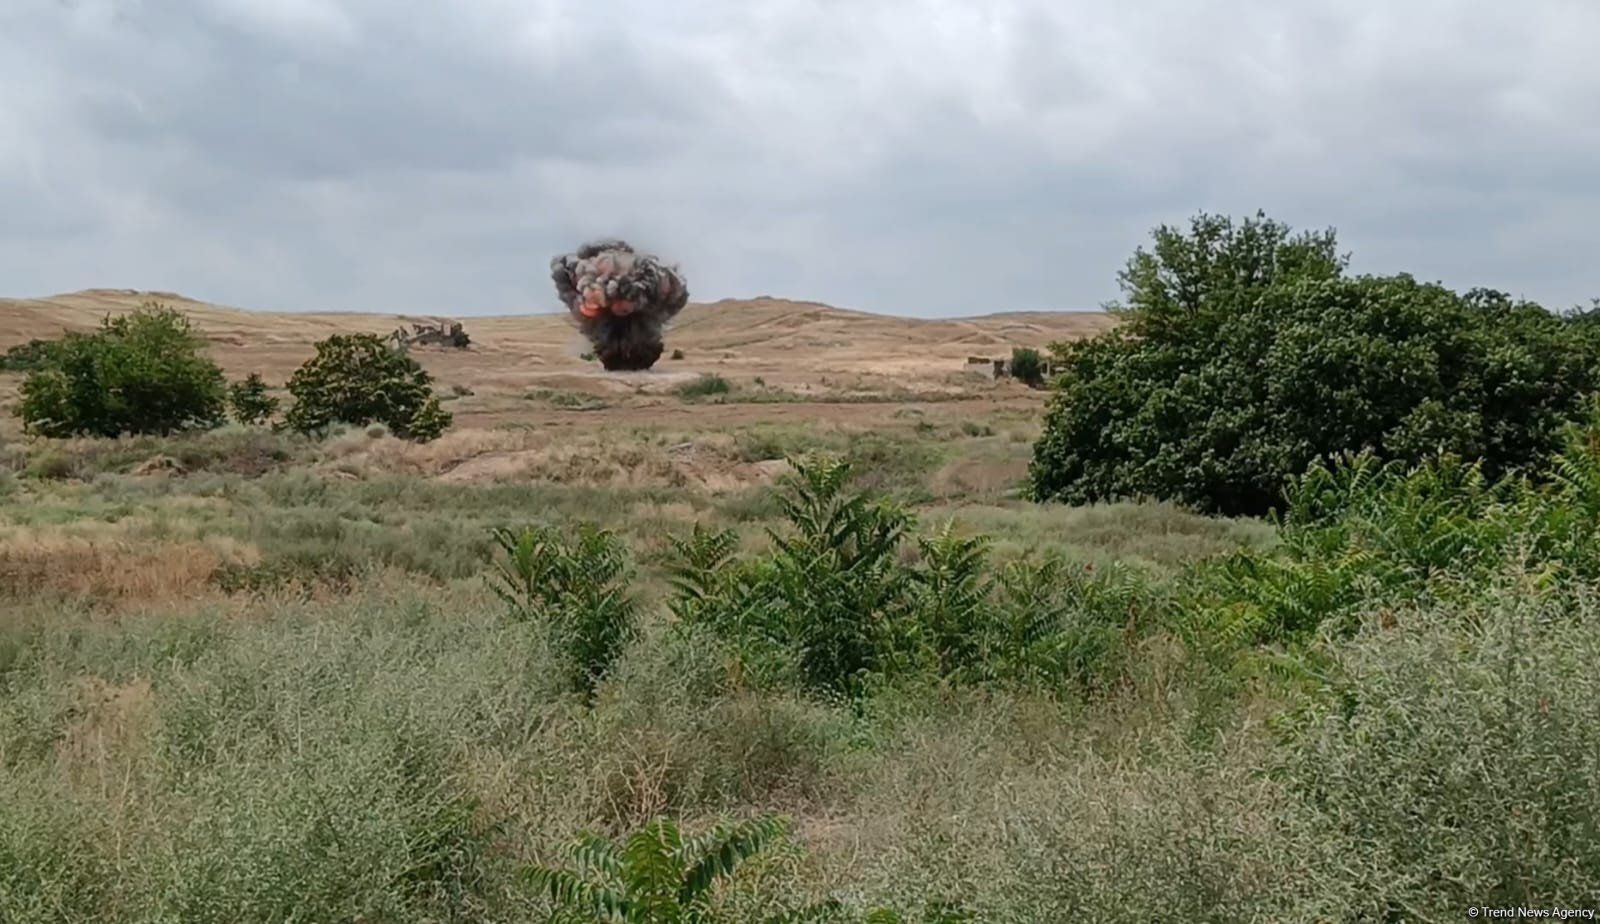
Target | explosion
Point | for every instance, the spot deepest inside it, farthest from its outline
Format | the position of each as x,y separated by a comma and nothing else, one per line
621,299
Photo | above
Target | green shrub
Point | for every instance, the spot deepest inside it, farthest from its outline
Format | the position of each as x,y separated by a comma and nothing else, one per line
577,586
26,357
1244,354
142,372
821,604
1027,366
359,379
835,606
1400,759
706,385
249,401
656,876
1357,533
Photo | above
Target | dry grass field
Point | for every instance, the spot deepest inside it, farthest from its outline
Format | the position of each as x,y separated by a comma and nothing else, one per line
252,676
527,405
812,353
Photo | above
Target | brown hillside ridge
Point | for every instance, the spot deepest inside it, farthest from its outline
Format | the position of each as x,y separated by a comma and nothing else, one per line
811,358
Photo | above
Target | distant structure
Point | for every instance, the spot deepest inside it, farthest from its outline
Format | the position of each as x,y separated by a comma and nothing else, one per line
441,333
1001,368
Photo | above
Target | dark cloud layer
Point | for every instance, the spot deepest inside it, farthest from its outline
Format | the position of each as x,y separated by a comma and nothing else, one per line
912,156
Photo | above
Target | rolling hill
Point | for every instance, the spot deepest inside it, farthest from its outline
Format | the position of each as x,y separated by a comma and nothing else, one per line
757,334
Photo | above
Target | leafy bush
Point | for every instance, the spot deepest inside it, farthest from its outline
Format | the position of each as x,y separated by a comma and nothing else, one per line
1027,366
706,385
249,401
1245,353
821,604
577,586
657,876
26,357
835,606
143,372
1398,758
1357,533
359,379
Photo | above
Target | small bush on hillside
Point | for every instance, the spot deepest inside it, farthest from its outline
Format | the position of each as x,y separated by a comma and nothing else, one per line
1027,366
1245,353
143,372
249,401
707,385
26,357
359,379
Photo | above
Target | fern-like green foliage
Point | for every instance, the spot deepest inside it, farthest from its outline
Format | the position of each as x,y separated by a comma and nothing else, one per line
700,574
1061,625
952,593
820,607
1359,534
657,875
838,579
576,583
836,605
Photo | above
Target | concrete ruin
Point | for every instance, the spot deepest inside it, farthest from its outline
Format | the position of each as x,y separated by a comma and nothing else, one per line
990,367
441,333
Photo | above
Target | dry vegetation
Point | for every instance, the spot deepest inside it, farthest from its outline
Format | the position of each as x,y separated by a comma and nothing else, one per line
250,676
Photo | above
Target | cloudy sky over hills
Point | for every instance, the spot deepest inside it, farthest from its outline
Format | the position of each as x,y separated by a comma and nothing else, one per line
921,157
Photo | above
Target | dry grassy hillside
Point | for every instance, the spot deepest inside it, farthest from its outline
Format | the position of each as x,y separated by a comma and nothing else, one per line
804,360
760,334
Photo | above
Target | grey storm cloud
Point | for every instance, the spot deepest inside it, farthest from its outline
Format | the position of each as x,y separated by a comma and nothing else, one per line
926,157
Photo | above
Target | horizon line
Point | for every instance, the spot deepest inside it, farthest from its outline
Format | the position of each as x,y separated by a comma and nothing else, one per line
160,294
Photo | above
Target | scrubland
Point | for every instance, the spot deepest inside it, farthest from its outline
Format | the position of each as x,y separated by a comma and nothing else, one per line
782,631
266,678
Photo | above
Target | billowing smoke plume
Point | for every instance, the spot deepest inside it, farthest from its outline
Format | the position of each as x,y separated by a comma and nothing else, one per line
621,299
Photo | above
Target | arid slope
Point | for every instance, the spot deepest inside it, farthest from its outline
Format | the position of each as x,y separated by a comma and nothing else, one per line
793,362
756,334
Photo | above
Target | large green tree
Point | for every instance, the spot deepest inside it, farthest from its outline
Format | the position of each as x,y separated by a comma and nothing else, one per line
1245,352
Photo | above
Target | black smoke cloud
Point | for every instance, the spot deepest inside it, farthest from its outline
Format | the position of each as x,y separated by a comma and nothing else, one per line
621,300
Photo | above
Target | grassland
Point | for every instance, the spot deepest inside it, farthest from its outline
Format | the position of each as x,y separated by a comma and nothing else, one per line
246,676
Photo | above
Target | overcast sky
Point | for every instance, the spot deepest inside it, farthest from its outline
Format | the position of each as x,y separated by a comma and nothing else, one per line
918,157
